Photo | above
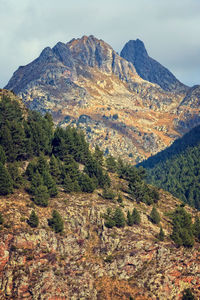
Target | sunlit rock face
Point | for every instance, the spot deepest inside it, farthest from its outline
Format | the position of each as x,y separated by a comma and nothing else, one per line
134,106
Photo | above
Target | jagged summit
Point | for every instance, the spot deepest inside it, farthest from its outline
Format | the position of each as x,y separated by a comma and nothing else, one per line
94,52
86,51
149,69
126,112
136,47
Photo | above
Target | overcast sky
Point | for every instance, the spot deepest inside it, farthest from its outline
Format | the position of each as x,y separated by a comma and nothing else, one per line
170,30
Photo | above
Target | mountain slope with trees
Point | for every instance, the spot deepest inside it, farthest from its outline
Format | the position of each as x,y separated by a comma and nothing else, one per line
177,168
53,155
76,225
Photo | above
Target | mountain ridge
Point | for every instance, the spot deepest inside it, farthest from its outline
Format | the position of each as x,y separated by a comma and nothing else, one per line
86,77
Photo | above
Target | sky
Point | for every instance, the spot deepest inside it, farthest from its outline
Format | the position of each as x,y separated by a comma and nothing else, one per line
170,30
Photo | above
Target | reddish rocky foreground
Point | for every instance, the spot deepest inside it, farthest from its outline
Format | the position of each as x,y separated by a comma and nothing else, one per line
88,260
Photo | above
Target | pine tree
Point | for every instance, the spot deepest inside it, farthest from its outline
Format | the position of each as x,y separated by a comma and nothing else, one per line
2,155
196,228
119,218
109,220
68,159
58,143
182,233
50,184
30,170
154,194
6,185
13,169
187,238
76,186
42,165
138,190
39,133
86,183
54,168
187,295
7,142
154,216
18,140
1,219
161,234
106,182
136,217
98,155
120,199
10,110
68,184
176,234
120,166
111,164
36,181
94,169
41,196
56,222
130,221
108,194
71,169
33,220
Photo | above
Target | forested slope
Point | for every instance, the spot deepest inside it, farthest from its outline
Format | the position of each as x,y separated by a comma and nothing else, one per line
177,168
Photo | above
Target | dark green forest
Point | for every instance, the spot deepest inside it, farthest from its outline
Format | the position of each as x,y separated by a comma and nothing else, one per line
53,155
177,168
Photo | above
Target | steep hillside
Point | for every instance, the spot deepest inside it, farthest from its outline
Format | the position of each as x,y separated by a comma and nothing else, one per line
177,168
87,84
74,225
89,260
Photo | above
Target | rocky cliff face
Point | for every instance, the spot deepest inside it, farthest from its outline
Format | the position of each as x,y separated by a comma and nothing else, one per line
88,260
149,69
87,84
192,97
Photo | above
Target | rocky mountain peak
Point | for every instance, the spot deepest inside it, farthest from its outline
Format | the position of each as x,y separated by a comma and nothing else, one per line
88,50
46,52
63,53
46,56
95,52
149,69
127,115
135,48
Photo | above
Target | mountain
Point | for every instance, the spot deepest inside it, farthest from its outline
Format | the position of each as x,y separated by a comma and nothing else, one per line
149,69
177,168
68,226
87,84
192,97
